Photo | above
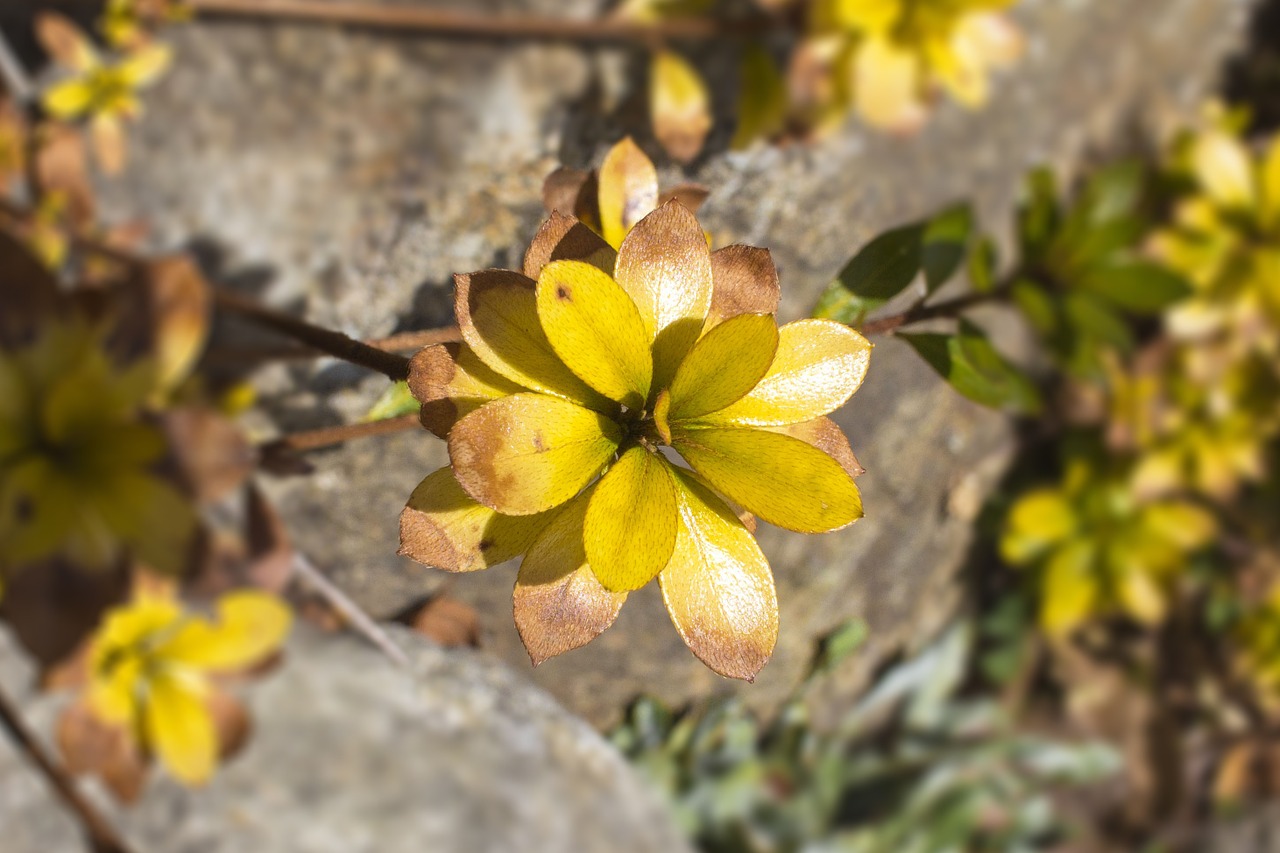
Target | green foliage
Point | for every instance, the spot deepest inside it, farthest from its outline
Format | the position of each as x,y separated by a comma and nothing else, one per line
395,402
878,272
971,364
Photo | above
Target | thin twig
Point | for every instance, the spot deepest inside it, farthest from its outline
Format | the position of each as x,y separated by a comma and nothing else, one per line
351,611
414,341
101,834
329,436
456,24
336,344
920,313
400,342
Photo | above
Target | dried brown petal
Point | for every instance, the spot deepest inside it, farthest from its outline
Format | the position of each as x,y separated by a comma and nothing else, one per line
211,453
449,622
90,746
451,382
562,189
680,106
563,238
692,196
745,281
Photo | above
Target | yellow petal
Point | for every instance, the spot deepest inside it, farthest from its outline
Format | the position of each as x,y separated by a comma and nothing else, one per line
113,694
451,382
596,330
563,238
559,603
145,65
665,267
1223,166
679,105
68,99
441,526
1271,186
1038,521
724,365
630,525
887,86
628,190
1187,526
1070,591
781,479
820,363
1139,593
498,315
250,626
744,281
826,435
718,587
530,452
179,729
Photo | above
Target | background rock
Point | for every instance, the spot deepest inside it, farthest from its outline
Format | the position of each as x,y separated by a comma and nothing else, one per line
352,754
348,174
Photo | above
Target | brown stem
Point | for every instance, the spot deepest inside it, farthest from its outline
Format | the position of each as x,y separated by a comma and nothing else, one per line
444,22
414,341
394,367
400,342
102,835
329,436
920,313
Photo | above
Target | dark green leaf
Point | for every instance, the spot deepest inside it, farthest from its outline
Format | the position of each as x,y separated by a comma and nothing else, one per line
1037,305
1038,214
1076,250
840,305
1114,192
1095,319
1140,286
946,237
884,267
972,365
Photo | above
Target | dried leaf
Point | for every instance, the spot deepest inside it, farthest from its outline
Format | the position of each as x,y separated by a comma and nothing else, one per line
212,455
449,622
90,746
231,722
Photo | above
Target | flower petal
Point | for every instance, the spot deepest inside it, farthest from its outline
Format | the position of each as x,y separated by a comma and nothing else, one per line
68,99
561,191
596,330
1070,588
563,238
451,382
723,365
251,625
530,452
1222,164
65,42
179,729
887,86
559,603
781,479
718,587
108,142
745,282
679,105
630,526
145,65
820,363
498,315
441,526
1038,521
628,190
665,266
826,435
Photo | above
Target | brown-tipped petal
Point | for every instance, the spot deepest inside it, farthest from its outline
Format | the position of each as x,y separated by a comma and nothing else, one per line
745,281
628,190
691,196
530,452
826,435
210,452
679,106
65,42
718,587
563,238
441,526
561,189
498,316
451,382
665,266
108,142
559,604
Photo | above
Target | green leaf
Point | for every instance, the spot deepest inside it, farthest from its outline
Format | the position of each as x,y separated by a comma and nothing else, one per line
1037,305
1038,215
1097,320
837,646
840,305
943,245
1139,286
972,366
884,267
394,402
983,262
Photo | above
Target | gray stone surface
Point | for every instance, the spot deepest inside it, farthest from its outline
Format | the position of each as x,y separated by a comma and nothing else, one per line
354,755
362,170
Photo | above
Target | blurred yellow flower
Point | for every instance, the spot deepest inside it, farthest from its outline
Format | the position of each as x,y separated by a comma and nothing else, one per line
1099,549
886,58
124,23
151,666
103,91
571,380
78,457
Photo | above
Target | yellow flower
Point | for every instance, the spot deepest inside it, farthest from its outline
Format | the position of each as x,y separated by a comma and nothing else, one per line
612,200
1226,240
105,92
572,380
124,22
884,58
78,458
1099,549
151,666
